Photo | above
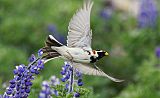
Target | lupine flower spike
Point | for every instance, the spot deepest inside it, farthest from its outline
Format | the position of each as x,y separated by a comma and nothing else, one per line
69,77
147,14
20,85
47,91
70,85
158,52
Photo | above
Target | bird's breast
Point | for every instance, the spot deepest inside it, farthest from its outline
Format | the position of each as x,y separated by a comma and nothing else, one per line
77,55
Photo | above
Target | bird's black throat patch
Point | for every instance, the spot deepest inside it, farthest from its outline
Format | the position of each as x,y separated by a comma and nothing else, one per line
93,60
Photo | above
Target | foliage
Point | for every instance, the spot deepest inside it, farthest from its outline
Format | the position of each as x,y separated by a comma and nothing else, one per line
147,81
24,28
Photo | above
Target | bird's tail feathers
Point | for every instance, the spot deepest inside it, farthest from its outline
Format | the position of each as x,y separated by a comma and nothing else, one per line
51,41
48,52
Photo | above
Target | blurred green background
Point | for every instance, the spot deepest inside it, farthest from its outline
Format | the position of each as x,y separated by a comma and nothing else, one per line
24,26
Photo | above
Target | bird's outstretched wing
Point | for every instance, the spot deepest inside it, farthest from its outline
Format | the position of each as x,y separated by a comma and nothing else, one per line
88,70
79,34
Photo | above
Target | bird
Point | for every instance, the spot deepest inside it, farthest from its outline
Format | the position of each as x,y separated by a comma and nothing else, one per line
78,51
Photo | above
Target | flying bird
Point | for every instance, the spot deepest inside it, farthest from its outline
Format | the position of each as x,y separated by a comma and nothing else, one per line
78,50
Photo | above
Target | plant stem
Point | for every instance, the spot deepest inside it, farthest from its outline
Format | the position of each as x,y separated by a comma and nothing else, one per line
71,80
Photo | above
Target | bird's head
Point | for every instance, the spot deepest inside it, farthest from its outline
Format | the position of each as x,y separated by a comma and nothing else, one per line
101,53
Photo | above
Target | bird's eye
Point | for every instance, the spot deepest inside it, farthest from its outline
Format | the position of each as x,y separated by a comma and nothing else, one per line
94,52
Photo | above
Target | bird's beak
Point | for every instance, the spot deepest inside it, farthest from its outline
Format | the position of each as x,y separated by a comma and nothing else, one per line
106,54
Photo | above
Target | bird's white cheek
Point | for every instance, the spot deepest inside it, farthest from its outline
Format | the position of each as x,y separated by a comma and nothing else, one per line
96,55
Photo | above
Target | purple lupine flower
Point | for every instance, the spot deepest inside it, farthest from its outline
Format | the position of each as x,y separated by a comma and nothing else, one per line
69,77
157,52
79,76
21,84
32,58
147,14
52,28
79,82
66,86
77,95
54,81
65,72
55,92
106,13
46,91
40,52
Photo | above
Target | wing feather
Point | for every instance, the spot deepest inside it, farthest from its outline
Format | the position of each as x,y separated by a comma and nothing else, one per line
79,32
88,70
